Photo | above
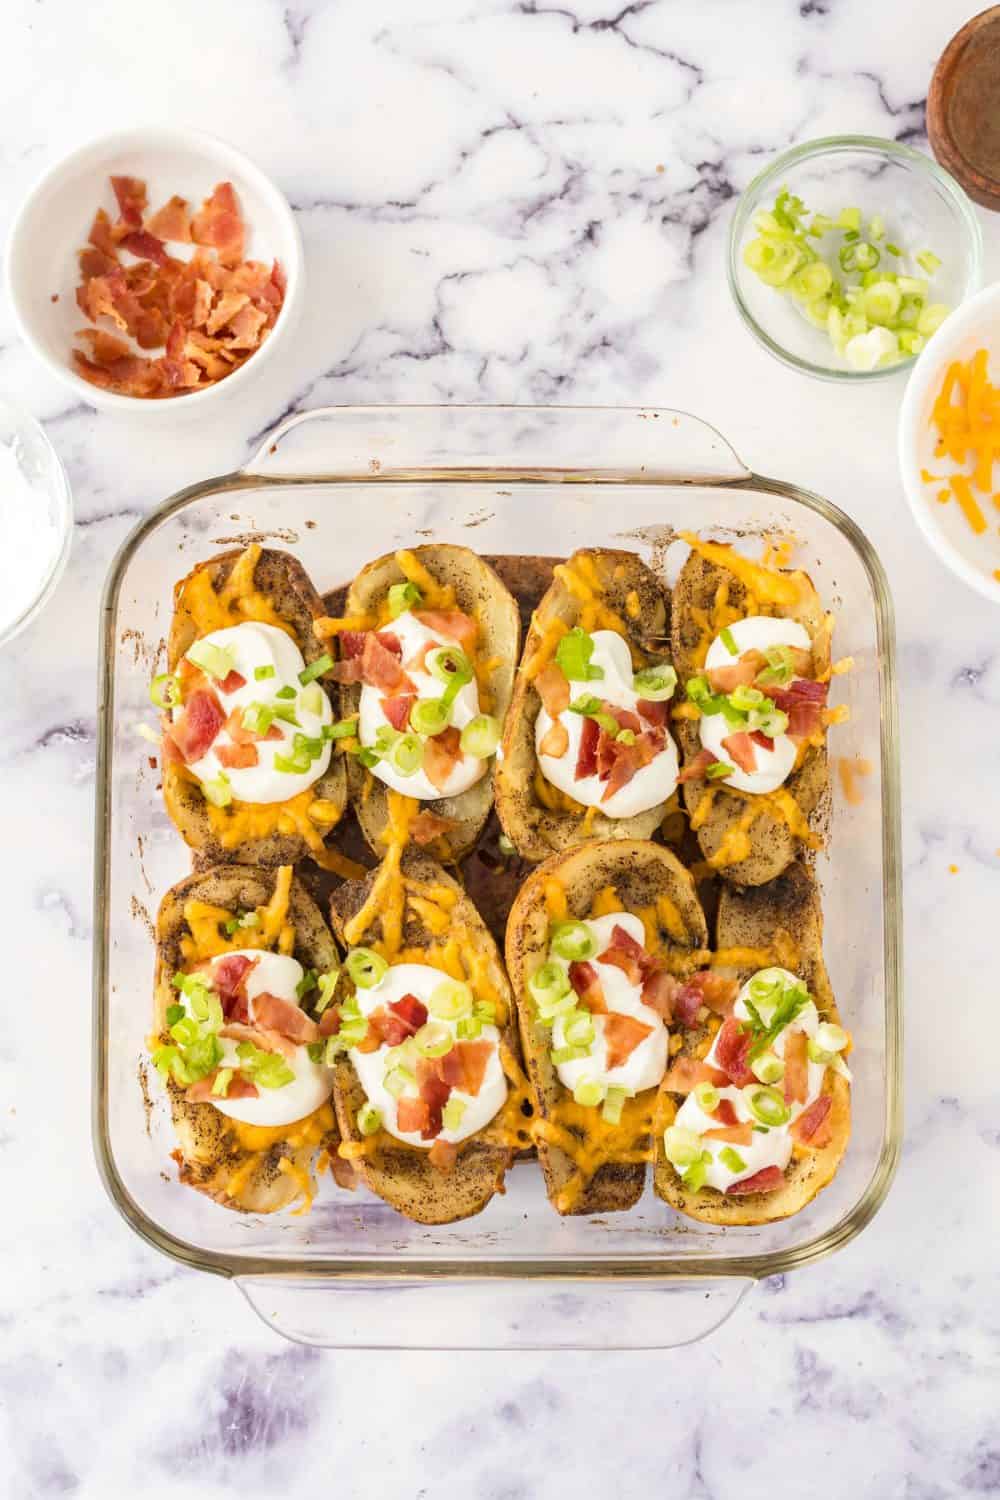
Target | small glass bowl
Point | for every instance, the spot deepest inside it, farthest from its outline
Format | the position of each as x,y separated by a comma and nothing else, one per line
923,206
45,488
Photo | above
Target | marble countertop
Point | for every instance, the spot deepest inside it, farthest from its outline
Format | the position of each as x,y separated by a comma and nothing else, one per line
501,200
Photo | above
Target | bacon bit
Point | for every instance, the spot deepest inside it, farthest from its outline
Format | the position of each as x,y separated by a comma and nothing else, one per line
803,720
390,640
623,952
813,1127
687,1004
767,1180
284,1017
624,717
427,826
584,980
739,673
653,713
402,1018
552,687
232,682
443,1155
228,305
453,623
218,224
622,1034
434,1092
131,195
229,980
659,992
739,1135
246,328
94,262
697,766
258,1036
196,728
732,1052
146,247
352,643
555,740
796,1067
726,1113
628,759
380,666
464,1067
412,1114
687,1072
397,710
172,221
329,1021
739,748
370,1042
441,753
760,738
240,735
239,1088
586,756
101,236
717,992
237,757
802,690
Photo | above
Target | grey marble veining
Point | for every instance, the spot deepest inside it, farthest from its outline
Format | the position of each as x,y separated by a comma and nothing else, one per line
501,200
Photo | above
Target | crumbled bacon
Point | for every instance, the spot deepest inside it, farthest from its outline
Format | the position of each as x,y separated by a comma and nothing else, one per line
737,1135
441,753
239,1088
443,1155
229,980
464,1066
400,1019
584,980
397,709
659,992
586,756
197,726
453,623
412,1114
381,667
739,748
687,1003
796,1067
284,1017
623,952
653,713
427,826
697,766
813,1127
208,315
622,1034
628,759
767,1180
555,740
740,673
687,1072
237,757
725,1113
732,1052
553,689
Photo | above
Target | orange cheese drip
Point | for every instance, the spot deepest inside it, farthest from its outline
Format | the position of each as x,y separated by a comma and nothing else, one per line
598,1142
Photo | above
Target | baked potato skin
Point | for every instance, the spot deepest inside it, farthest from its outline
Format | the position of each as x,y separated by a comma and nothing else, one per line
282,578
640,872
772,844
750,918
535,830
398,1173
208,1150
479,593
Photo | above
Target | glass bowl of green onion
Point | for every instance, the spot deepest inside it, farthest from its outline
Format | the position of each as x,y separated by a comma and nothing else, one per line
847,253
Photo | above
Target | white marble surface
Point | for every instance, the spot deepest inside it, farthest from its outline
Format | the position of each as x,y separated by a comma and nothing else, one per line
500,201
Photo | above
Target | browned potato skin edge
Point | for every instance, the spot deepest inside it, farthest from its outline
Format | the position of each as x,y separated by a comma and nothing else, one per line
639,870
401,1174
749,918
233,886
773,846
283,578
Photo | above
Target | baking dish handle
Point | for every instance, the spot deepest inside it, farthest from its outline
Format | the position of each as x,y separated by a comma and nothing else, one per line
423,1313
583,444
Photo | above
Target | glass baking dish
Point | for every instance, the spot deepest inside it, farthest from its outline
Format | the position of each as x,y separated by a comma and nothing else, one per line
338,487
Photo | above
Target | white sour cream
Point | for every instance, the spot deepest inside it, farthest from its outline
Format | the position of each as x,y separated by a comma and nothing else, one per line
250,646
276,974
421,980
774,766
467,770
772,1148
647,1063
651,784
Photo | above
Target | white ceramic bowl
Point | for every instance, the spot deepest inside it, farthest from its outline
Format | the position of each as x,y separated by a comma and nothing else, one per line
36,516
55,218
974,325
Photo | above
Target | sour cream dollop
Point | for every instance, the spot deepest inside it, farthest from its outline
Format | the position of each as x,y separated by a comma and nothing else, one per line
651,784
275,974
774,766
770,1148
254,647
421,980
646,1064
413,635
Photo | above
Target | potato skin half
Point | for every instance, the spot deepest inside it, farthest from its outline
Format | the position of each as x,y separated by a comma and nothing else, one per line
750,918
480,594
772,844
535,830
282,578
640,872
208,1149
401,1174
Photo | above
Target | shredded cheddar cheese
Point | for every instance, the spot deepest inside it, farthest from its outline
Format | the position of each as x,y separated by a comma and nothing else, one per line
435,595
205,938
209,609
327,626
589,1141
782,590
605,901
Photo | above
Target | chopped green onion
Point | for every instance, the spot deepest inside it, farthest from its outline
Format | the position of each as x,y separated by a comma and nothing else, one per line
766,1105
588,1092
293,765
218,792
656,684
849,218
681,1147
451,999
729,641
913,286
769,1068
818,1054
769,721
268,1069
573,655
367,757
285,692
626,736
780,666
311,700
316,669
703,698
573,941
468,1028
286,713
578,1029
928,261
860,256
831,1038
261,674
429,716
591,708
707,1098
175,1013
315,1051
718,769
893,249
548,1010
398,1080
434,1039
932,317
165,690
406,754
326,985
450,665
876,227
403,596
224,1077
366,968
614,1103
485,1010
343,729
505,846
549,983
451,1115
305,984
257,719
882,302
217,661
481,736
732,1159
369,1119
745,698
811,282
562,1055
695,1176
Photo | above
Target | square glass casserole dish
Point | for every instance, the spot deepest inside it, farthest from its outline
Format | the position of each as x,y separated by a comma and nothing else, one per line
338,487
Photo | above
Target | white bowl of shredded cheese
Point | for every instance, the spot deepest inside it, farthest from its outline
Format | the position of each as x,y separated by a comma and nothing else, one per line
36,519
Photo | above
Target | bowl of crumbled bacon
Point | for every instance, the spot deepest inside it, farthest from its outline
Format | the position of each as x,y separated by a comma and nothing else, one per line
152,265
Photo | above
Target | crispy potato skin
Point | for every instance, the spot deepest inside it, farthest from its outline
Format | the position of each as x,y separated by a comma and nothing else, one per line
398,1173
534,830
639,872
479,593
773,845
283,579
208,1149
750,918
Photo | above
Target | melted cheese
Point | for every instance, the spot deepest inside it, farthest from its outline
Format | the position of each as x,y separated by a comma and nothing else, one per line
553,799
736,843
629,1142
306,815
547,635
273,930
328,626
387,896
664,916
555,899
257,1140
210,609
435,595
780,590
605,901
